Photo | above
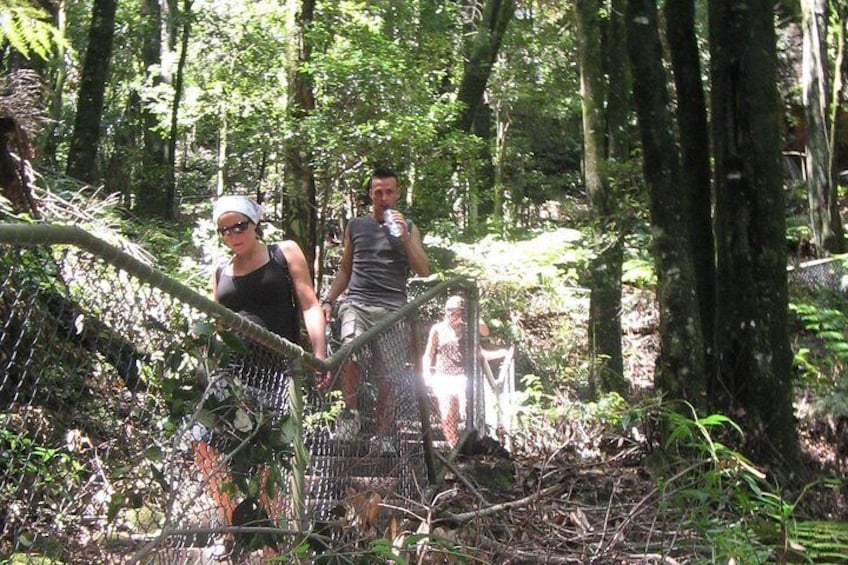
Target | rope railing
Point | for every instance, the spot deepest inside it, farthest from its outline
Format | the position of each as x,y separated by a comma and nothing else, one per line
139,418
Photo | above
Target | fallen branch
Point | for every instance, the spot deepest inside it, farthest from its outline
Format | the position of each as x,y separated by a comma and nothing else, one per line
461,477
496,508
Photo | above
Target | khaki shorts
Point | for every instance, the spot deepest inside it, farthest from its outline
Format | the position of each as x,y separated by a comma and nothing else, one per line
355,319
388,355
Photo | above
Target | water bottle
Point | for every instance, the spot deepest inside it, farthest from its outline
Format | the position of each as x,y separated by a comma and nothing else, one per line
389,220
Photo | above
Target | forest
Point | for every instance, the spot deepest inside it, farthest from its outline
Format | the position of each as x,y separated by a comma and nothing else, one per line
637,188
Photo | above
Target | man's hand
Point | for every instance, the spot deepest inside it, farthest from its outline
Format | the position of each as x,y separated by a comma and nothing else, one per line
323,381
400,220
327,308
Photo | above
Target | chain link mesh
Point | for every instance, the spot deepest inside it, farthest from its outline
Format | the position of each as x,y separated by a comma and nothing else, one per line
830,273
132,426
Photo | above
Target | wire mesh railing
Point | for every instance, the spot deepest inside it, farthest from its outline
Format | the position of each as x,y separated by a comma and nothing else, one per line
830,273
142,422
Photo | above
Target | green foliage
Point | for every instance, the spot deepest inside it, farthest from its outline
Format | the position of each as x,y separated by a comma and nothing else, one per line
639,273
696,433
827,353
378,102
722,483
39,473
541,154
28,29
530,296
51,471
547,419
256,437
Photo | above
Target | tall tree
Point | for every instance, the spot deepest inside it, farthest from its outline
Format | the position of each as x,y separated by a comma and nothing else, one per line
58,74
821,191
152,186
619,106
695,157
475,116
605,303
680,366
618,143
85,142
752,347
496,15
171,186
301,206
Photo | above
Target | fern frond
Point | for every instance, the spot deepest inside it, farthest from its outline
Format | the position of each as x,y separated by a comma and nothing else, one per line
28,29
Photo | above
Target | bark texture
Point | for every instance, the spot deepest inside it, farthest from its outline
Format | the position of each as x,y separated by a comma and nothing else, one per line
605,302
753,381
82,154
695,176
680,365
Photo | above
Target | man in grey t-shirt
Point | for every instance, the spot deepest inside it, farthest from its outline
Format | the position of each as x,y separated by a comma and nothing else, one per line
374,270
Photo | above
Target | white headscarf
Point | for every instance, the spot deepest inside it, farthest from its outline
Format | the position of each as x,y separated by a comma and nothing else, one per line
236,203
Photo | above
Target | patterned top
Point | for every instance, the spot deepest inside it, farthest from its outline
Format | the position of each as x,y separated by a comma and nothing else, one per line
449,348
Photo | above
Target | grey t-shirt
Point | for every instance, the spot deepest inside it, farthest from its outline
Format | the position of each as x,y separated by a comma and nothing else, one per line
380,268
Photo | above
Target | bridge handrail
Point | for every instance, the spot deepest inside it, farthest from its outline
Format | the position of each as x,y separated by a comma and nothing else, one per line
53,234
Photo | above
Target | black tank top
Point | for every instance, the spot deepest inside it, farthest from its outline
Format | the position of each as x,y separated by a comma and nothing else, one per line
266,292
380,267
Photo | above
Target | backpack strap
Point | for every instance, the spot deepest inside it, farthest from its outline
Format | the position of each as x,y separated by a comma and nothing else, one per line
279,257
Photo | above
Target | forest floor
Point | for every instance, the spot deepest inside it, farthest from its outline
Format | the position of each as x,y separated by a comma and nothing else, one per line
576,489
595,494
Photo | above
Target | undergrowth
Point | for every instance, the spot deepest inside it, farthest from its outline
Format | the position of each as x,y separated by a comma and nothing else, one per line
532,296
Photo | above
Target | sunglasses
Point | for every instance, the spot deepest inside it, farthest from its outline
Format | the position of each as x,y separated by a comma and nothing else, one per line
238,227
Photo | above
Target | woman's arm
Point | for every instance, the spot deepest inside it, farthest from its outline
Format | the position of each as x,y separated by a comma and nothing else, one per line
430,351
313,317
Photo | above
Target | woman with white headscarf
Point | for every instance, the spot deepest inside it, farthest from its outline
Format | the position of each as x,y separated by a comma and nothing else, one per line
259,283
271,286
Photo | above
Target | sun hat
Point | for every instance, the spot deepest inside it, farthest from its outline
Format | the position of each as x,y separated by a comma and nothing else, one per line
454,303
237,203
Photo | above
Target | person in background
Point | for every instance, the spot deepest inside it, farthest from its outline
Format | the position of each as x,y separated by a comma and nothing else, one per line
444,365
374,270
270,285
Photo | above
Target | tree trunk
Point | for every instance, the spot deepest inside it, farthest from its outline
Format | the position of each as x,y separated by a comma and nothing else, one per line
496,17
618,100
695,152
223,148
502,122
171,188
605,303
15,169
821,192
125,141
152,187
836,96
82,154
58,73
680,365
300,209
618,116
755,360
